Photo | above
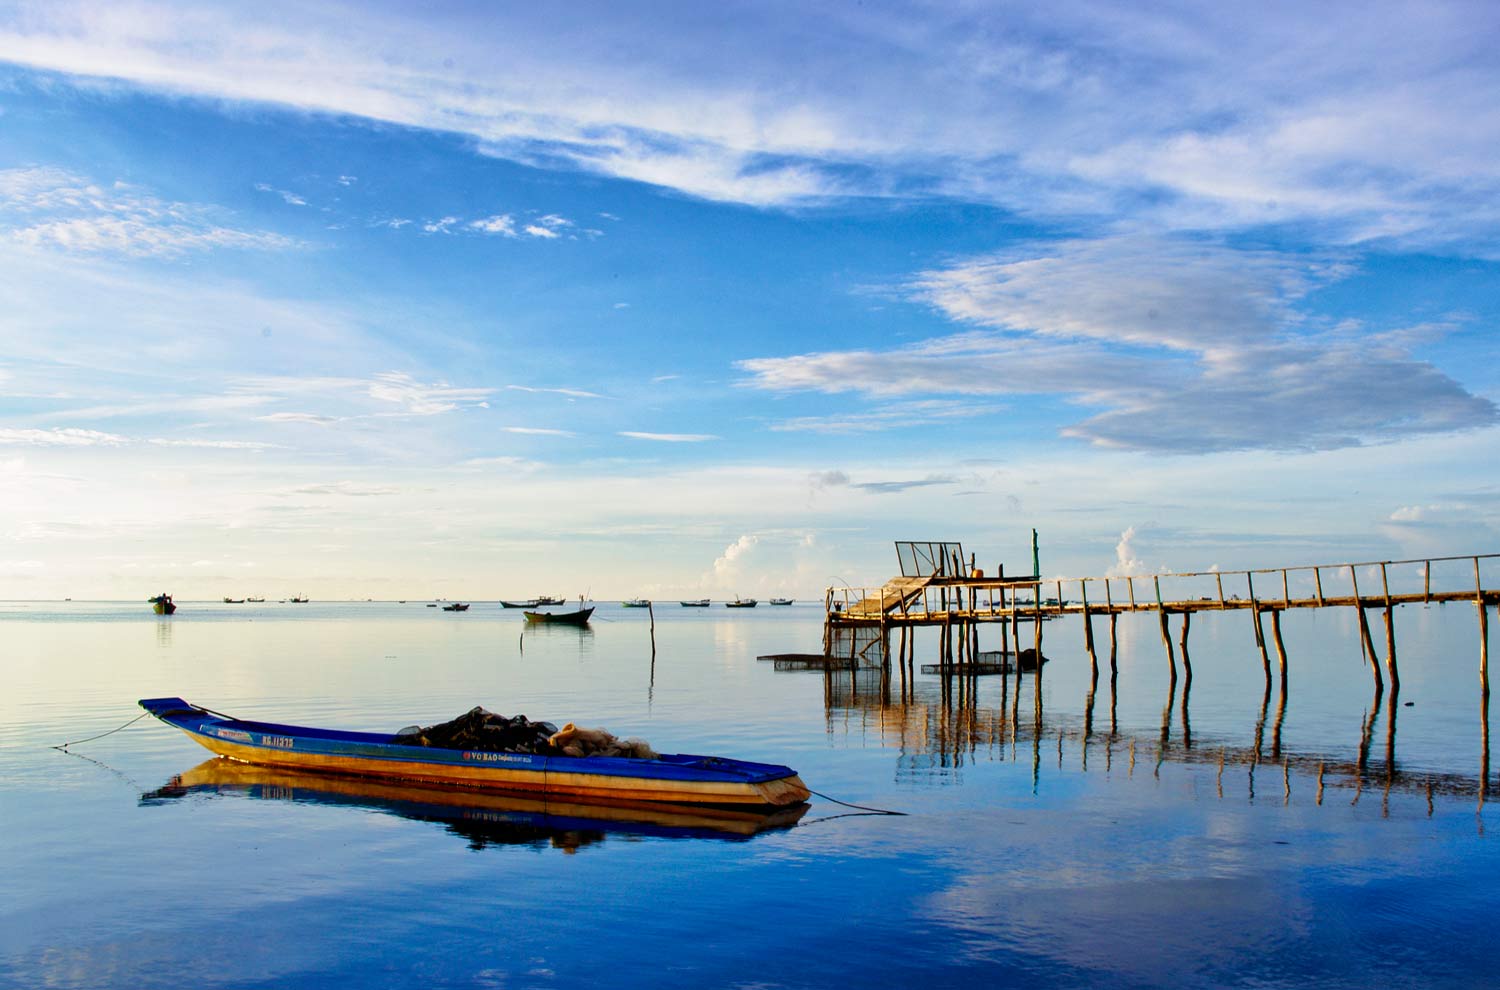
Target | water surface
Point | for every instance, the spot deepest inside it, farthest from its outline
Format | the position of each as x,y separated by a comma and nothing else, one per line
1136,841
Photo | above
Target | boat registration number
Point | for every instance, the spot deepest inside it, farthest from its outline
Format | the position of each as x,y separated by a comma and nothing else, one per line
280,742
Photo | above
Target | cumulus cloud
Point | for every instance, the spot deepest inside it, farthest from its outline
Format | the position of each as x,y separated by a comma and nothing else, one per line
730,564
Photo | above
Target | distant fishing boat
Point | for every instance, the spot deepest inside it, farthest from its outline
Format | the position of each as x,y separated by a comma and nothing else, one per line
696,603
234,601
636,603
456,607
781,601
579,618
254,599
741,603
531,604
162,604
296,599
678,779
545,600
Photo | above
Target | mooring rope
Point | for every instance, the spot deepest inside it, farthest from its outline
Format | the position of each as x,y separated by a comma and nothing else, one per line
101,735
857,807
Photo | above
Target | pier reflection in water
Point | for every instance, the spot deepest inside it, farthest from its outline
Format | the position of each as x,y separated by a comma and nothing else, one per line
937,724
483,819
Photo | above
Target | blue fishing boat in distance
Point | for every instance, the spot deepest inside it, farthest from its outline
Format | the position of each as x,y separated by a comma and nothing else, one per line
675,779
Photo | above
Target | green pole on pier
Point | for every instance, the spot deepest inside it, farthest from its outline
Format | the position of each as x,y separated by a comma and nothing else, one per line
1036,560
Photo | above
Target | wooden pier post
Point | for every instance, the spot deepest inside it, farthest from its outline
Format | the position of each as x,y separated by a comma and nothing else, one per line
1260,634
1088,632
1484,634
1280,647
1390,636
1364,632
1187,663
1166,633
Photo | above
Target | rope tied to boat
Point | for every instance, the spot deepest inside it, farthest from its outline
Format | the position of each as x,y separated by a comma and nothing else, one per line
857,807
76,742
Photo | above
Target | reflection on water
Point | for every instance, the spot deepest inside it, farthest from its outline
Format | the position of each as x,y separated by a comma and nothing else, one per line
1098,825
938,725
483,819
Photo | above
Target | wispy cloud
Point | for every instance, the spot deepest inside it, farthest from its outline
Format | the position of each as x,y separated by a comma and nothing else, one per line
669,437
893,416
290,198
572,393
1188,347
75,437
42,207
538,431
420,399
1206,122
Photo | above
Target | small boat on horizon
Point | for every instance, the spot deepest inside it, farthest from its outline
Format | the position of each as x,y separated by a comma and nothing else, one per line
781,601
636,603
234,601
677,779
741,603
456,607
294,598
527,604
696,603
546,600
578,618
162,604
254,599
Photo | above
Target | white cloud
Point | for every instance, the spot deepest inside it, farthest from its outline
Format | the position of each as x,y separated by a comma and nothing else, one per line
730,564
539,431
1127,562
65,437
572,393
420,399
440,226
1375,118
502,223
669,437
290,198
1189,347
50,208
543,232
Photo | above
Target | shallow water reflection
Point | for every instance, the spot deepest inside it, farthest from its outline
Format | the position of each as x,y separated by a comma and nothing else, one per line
481,819
1124,829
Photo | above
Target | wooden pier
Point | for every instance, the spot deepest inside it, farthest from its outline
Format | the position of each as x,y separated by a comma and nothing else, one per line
941,588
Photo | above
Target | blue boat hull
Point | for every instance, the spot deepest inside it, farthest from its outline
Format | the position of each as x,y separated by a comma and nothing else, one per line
677,779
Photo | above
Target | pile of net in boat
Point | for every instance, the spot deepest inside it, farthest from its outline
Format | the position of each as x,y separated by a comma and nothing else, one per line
484,731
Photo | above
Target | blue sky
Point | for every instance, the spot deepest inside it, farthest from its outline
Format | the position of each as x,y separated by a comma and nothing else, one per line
670,299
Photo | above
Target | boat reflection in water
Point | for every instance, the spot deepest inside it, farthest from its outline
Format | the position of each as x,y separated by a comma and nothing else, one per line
484,819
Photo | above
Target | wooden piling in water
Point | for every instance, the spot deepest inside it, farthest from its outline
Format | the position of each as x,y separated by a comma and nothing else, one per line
1280,647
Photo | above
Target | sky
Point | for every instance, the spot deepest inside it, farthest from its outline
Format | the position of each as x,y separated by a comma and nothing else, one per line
481,300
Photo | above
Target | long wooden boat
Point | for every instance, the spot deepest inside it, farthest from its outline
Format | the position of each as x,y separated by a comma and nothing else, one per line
481,817
741,603
636,603
456,607
696,603
579,618
781,601
529,604
677,779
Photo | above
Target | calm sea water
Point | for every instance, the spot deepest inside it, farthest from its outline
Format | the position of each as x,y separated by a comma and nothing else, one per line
1102,845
